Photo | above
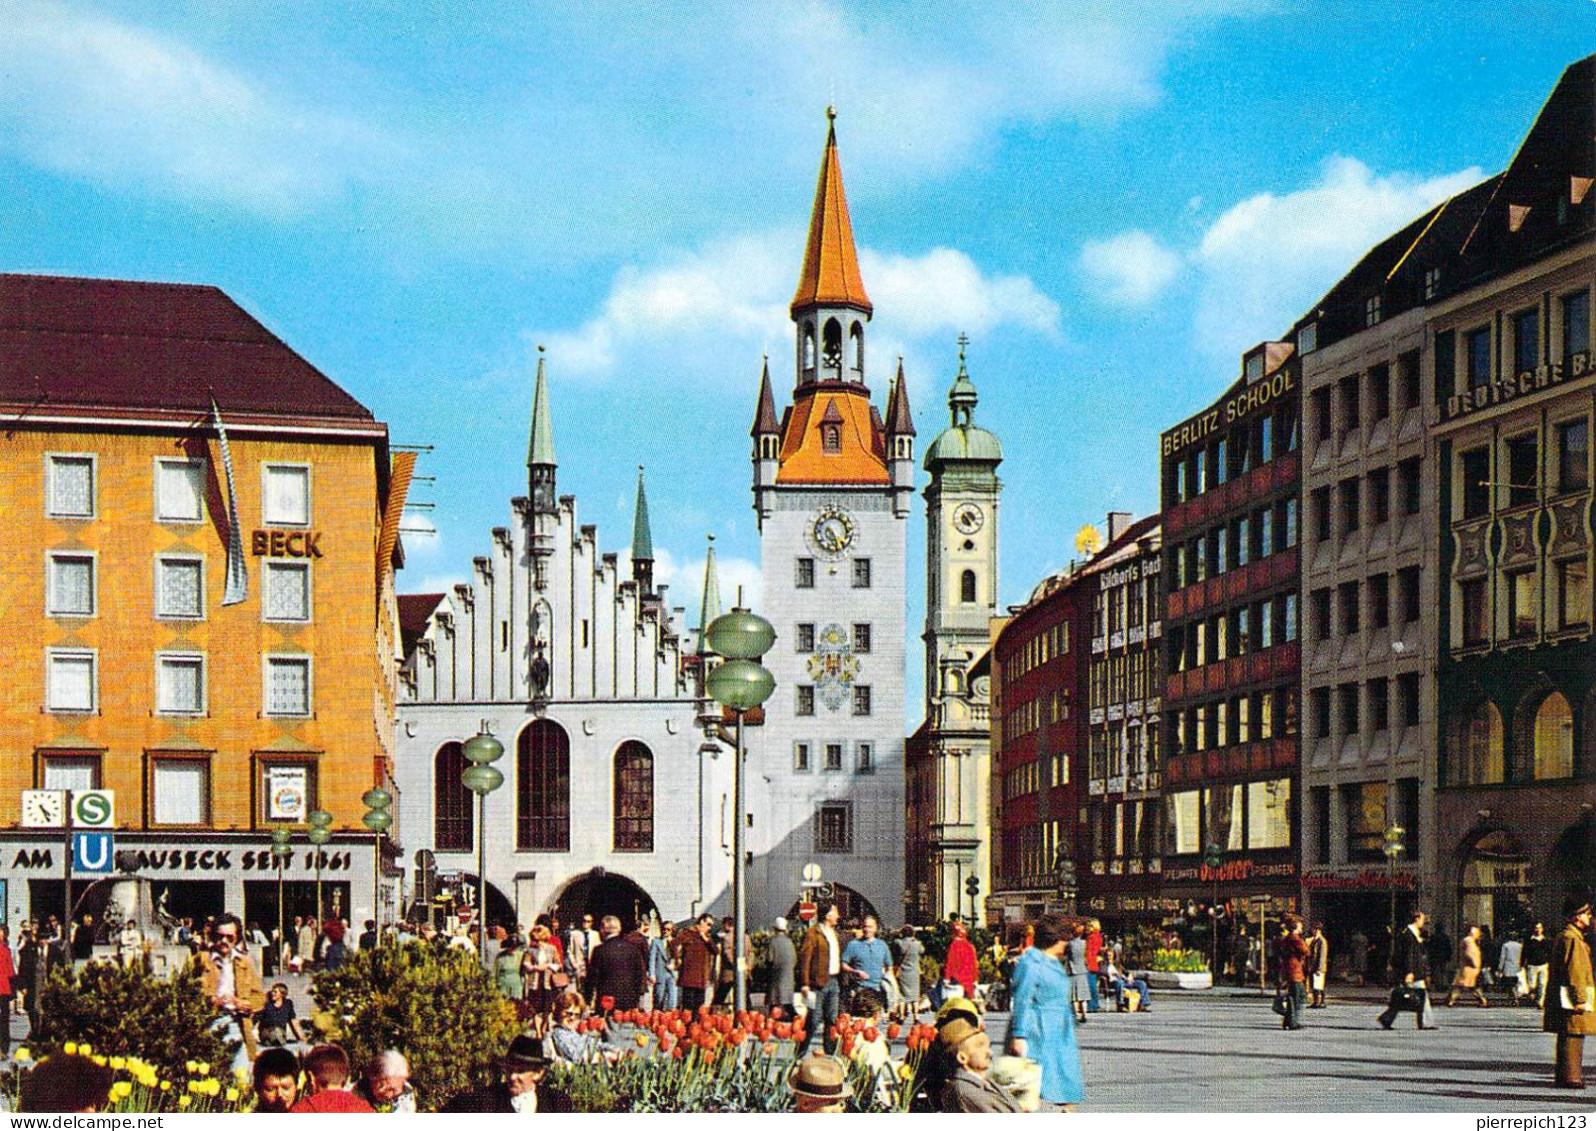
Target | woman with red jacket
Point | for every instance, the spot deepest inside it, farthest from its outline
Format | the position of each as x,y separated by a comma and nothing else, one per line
960,965
8,971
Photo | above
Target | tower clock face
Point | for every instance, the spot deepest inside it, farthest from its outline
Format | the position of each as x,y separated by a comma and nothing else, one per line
832,531
968,518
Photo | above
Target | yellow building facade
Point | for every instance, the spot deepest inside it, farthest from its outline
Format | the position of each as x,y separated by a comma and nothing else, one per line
212,723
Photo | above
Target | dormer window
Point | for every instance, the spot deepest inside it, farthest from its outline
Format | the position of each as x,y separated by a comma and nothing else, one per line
1432,283
831,438
1372,311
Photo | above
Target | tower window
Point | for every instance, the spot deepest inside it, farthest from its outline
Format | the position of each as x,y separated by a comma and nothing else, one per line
831,347
856,339
809,345
967,587
805,578
831,438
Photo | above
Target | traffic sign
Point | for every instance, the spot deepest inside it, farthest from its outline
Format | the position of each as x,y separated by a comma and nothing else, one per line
807,912
93,852
93,809
811,873
1260,900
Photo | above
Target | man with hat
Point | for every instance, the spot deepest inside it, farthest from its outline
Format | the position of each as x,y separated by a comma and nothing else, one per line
523,1067
967,1088
1571,993
819,1084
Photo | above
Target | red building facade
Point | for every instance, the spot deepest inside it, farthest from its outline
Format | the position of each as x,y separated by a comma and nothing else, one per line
1231,625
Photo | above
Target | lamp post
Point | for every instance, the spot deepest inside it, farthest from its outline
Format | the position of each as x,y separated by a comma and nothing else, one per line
281,851
378,820
319,835
1393,849
482,750
742,684
1213,858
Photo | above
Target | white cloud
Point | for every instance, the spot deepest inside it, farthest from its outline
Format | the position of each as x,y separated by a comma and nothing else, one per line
1132,268
91,97
686,581
432,583
1265,260
710,310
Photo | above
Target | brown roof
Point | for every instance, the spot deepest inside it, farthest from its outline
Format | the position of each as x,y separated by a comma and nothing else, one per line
167,348
415,609
831,266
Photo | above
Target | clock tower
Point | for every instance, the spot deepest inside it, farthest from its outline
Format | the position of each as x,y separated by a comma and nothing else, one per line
833,481
952,749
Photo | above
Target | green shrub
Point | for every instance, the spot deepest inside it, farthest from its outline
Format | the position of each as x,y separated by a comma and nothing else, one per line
128,1010
442,1010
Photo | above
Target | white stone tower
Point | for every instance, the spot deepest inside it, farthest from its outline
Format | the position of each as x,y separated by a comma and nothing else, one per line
832,486
960,601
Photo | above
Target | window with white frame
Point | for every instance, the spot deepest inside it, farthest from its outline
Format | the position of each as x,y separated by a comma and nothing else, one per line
287,591
180,791
288,685
69,771
71,585
179,587
70,683
69,486
179,683
179,490
287,495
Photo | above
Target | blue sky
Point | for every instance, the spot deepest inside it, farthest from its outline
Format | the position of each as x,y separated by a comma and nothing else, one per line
1111,199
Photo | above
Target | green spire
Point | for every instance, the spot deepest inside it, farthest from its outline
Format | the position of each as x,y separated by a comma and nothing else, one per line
642,537
711,607
542,447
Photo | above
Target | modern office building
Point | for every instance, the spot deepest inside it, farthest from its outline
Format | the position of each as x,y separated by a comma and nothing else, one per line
1230,483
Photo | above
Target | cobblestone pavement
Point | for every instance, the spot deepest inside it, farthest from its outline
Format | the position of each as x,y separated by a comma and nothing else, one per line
1223,1051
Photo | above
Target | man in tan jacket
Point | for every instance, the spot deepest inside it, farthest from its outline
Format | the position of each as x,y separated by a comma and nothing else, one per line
1571,993
233,984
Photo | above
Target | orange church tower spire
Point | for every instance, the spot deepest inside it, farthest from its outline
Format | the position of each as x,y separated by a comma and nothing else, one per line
831,265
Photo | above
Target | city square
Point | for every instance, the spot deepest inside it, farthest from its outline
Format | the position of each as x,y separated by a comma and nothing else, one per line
528,594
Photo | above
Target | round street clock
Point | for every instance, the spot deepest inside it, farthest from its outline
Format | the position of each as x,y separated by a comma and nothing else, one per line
968,518
832,531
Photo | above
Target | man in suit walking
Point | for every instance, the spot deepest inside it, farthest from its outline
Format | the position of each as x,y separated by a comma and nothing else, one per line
1410,963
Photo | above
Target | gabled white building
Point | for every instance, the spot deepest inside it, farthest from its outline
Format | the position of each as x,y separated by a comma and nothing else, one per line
612,801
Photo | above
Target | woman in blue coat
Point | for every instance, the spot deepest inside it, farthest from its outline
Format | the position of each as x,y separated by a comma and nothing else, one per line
1042,1024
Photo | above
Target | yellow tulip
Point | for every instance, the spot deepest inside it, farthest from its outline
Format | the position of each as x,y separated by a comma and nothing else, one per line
194,1085
183,1101
166,1085
121,1090
119,1062
191,1066
85,1050
23,1054
70,1048
232,1095
100,1060
204,1068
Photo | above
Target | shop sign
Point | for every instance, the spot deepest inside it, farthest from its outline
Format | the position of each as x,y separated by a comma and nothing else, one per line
1508,386
194,860
1370,879
287,788
1206,424
285,543
1232,871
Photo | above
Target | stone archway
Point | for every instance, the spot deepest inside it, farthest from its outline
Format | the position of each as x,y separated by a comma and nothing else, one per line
1496,886
851,905
1571,866
599,893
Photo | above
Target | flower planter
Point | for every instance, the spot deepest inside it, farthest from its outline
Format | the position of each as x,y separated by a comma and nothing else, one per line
1171,980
